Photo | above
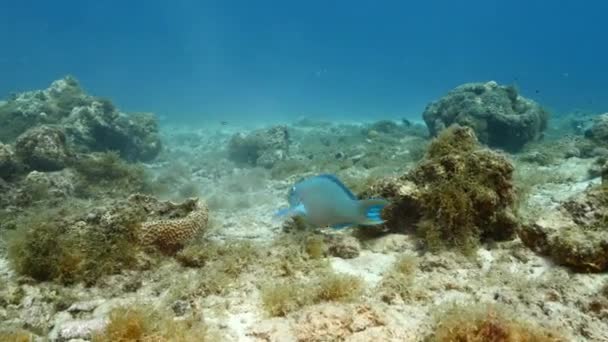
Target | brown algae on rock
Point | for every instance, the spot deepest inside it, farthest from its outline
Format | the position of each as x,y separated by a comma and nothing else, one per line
143,323
79,244
455,197
479,322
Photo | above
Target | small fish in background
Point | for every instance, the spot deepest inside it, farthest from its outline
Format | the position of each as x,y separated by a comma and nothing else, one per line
324,201
224,123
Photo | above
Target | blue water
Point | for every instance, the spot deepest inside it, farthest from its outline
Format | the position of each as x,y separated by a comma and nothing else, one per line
274,60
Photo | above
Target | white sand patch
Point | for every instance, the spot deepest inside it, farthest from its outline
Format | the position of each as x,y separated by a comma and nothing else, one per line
369,266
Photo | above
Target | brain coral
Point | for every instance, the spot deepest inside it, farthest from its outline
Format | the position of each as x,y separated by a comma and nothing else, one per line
169,235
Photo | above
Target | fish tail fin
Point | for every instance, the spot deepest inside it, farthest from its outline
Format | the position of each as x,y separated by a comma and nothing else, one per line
371,211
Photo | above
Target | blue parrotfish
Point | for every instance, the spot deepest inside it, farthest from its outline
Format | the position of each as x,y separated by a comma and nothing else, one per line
324,201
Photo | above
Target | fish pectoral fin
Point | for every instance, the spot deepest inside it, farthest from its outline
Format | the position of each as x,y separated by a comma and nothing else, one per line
290,211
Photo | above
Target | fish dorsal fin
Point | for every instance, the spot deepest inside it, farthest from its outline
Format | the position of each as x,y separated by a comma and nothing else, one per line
339,183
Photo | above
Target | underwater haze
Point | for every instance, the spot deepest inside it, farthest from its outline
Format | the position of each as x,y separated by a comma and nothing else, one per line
191,60
248,171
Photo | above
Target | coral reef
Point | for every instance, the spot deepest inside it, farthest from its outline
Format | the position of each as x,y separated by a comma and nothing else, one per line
83,259
29,109
43,148
598,130
499,116
9,165
260,148
38,186
573,234
99,127
74,243
89,123
460,193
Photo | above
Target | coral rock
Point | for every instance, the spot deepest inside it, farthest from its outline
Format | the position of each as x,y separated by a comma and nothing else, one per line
574,234
91,123
404,209
77,330
29,109
499,116
460,193
98,127
260,148
343,246
43,148
334,322
598,131
8,162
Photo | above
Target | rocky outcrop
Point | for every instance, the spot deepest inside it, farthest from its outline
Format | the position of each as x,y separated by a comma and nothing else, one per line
458,195
499,116
575,234
263,147
8,162
90,123
99,127
43,148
